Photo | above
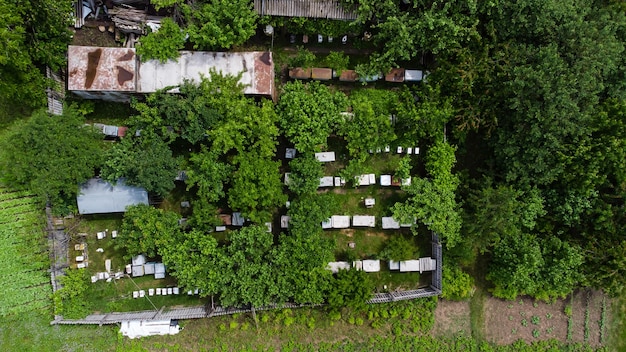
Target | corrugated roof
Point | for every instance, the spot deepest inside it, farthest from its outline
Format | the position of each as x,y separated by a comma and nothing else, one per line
100,197
101,69
330,9
256,67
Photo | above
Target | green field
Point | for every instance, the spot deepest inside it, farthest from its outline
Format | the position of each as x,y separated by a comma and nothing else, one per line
24,284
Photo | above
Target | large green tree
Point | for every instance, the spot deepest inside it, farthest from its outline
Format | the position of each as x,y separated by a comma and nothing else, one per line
525,265
256,187
247,274
309,113
50,155
145,161
220,24
146,229
34,35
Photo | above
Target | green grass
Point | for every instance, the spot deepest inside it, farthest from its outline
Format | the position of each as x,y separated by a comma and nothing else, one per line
110,113
352,200
616,328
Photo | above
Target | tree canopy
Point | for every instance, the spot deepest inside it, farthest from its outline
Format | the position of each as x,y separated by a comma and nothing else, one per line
51,155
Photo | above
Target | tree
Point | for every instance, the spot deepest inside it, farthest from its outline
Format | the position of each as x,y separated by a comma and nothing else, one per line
50,155
305,175
34,35
248,277
350,288
220,24
308,113
145,229
162,44
144,161
369,127
544,269
256,187
208,175
194,259
495,213
433,201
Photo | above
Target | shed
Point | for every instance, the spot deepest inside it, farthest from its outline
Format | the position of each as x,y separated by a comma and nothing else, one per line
325,157
390,223
97,196
329,9
395,75
409,266
340,221
348,76
238,219
393,265
371,266
300,73
364,221
327,181
385,180
427,264
284,221
106,73
140,328
322,74
159,271
334,267
413,75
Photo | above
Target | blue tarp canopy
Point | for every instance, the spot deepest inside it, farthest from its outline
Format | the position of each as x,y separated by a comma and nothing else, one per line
100,197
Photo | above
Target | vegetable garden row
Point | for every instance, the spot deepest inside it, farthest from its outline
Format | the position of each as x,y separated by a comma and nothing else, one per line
24,284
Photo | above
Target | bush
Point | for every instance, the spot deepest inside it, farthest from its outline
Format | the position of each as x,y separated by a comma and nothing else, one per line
304,58
338,61
457,285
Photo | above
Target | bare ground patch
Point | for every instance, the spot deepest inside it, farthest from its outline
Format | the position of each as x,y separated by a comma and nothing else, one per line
530,320
508,321
452,319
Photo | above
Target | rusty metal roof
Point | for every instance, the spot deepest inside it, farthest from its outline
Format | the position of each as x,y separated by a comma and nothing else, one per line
101,69
329,9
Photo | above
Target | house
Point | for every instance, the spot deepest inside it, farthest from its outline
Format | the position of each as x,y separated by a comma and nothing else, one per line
409,266
327,181
300,73
97,196
413,75
322,74
116,74
395,75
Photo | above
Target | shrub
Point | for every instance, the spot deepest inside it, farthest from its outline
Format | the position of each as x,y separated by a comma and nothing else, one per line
535,320
359,321
234,325
568,310
457,285
536,333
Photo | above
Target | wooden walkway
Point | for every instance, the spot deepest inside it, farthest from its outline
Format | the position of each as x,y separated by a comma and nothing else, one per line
329,9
